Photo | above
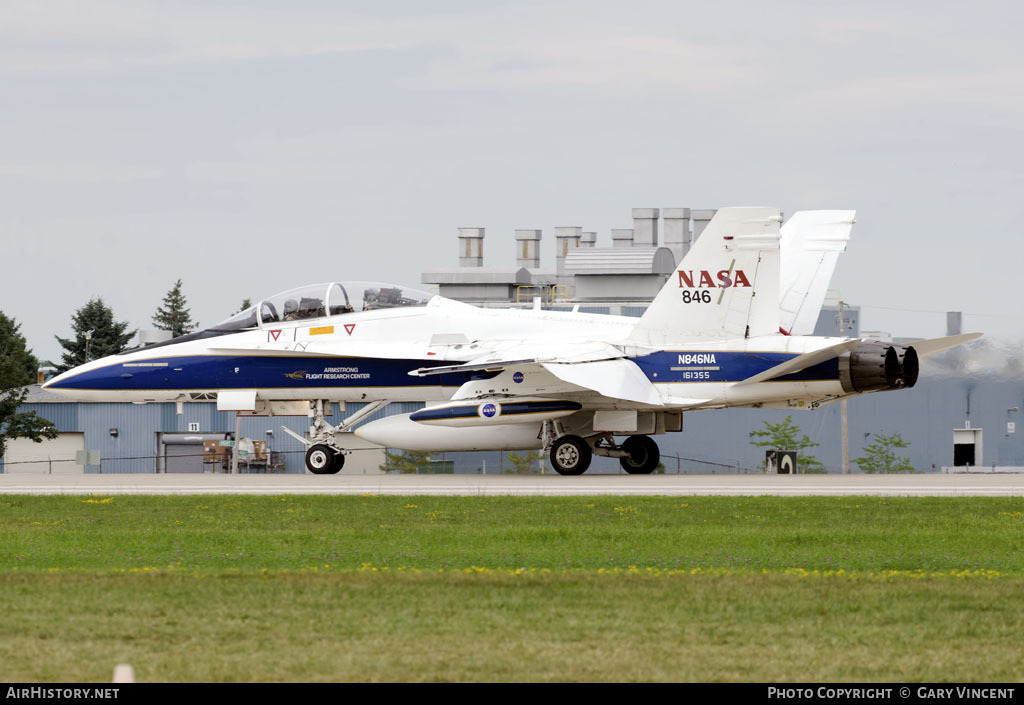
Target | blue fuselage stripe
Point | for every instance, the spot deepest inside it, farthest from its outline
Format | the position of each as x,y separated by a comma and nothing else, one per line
450,412
669,366
258,372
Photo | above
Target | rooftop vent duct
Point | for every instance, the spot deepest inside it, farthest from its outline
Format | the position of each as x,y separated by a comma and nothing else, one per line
471,247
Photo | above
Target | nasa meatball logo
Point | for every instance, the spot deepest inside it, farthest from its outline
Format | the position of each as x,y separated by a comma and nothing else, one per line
489,410
517,378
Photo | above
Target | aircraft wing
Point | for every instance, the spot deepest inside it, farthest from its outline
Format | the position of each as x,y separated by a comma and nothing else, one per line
596,366
617,379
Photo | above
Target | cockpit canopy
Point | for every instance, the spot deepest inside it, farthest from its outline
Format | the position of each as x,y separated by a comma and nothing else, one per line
321,300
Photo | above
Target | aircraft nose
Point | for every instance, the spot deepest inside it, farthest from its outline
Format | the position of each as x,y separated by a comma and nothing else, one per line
94,375
57,380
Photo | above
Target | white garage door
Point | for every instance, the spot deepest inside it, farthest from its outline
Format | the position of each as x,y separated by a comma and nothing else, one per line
51,456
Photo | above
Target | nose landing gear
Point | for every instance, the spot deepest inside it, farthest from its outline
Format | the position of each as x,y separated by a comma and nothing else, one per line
323,454
321,459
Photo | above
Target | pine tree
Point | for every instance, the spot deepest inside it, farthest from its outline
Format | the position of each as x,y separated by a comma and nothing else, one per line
246,303
174,314
17,369
107,336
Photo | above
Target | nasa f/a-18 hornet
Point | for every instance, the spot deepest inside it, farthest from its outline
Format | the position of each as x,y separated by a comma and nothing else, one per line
726,330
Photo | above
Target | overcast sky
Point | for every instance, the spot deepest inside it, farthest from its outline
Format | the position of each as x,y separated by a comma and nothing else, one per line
248,147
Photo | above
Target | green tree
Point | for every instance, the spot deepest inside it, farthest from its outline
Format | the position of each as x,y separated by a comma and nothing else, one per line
246,303
405,462
787,436
174,315
95,331
879,456
17,370
525,463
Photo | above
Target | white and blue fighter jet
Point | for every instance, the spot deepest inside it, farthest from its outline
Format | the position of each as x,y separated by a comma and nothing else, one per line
723,332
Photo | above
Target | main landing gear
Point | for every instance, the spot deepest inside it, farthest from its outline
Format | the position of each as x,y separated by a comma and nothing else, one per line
643,455
571,455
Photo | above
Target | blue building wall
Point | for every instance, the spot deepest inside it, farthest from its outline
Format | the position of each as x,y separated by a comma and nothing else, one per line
924,416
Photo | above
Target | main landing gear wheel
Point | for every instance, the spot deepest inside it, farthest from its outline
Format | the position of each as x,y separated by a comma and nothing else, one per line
323,460
644,455
570,455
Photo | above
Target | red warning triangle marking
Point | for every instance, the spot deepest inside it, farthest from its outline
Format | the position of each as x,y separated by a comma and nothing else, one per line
349,327
275,333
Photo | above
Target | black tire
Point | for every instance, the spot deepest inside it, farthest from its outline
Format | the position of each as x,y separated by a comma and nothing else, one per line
320,459
570,455
339,463
644,455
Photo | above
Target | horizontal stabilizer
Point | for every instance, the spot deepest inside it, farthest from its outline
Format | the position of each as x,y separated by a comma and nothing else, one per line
802,362
617,379
937,345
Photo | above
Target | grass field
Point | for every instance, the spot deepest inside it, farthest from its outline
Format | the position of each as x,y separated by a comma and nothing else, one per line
480,588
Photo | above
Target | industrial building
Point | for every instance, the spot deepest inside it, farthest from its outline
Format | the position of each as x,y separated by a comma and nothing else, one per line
168,437
962,412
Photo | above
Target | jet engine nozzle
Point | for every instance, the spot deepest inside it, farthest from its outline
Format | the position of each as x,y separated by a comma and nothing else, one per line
874,365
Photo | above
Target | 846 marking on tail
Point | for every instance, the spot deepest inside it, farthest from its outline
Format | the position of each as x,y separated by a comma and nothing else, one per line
696,297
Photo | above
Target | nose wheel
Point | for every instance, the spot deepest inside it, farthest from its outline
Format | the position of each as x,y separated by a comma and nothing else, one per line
570,455
323,460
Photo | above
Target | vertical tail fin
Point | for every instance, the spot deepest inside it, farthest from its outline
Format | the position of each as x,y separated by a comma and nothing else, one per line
810,245
726,287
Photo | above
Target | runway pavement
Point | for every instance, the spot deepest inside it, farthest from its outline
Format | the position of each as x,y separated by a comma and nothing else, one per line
925,485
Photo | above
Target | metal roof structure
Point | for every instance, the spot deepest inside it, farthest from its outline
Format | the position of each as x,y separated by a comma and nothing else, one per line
610,261
477,275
